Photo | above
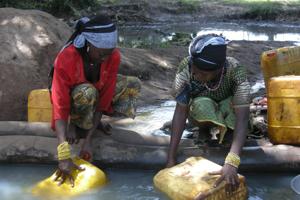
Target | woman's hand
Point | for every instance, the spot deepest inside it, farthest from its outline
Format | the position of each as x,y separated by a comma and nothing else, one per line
65,168
229,174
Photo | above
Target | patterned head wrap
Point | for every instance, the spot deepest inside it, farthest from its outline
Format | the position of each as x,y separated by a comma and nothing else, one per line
208,52
99,31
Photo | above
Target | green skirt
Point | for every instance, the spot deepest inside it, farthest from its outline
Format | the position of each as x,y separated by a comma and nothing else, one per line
203,110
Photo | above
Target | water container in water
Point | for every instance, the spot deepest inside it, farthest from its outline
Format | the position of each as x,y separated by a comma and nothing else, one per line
39,106
280,62
191,179
284,110
91,178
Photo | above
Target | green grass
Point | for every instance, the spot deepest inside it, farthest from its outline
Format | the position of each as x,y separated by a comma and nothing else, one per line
108,1
265,9
282,2
52,6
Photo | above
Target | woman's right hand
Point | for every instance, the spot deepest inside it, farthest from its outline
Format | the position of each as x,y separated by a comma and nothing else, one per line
65,168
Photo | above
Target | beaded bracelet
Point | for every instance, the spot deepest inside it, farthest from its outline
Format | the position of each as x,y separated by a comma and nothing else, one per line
63,151
233,160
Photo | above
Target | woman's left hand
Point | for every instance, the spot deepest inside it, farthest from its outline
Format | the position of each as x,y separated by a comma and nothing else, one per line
229,174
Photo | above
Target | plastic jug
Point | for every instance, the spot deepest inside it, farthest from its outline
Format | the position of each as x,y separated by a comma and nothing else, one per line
39,106
280,62
191,178
284,110
91,177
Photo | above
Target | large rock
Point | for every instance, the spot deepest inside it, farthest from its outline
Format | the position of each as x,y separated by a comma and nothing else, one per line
22,142
29,42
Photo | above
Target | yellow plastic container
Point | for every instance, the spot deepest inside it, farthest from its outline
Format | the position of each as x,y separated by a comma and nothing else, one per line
280,62
284,110
91,178
39,106
190,179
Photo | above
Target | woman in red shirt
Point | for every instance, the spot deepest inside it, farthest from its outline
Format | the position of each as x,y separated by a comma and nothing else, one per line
83,87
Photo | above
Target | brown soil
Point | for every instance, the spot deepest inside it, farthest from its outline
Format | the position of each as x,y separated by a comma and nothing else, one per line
30,40
157,67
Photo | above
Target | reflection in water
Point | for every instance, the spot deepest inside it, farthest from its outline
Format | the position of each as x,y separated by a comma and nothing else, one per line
131,184
271,186
155,34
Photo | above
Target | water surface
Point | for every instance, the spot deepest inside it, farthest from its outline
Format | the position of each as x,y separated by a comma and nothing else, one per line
131,184
156,34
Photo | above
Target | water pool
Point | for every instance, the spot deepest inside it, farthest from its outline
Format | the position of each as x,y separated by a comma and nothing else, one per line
131,184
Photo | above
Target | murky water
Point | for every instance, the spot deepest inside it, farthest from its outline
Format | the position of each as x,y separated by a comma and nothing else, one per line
16,180
155,34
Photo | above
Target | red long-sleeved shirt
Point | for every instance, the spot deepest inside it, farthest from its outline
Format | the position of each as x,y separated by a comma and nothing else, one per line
69,72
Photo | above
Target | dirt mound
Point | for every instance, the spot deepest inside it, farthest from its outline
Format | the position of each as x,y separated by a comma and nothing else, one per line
29,42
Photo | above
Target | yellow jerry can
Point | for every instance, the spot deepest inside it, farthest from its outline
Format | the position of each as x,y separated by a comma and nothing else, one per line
280,62
284,110
191,179
91,178
39,106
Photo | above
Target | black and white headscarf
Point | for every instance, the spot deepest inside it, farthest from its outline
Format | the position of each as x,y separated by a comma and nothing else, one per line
101,33
208,52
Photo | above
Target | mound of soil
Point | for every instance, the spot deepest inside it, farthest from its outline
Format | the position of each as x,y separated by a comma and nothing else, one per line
29,41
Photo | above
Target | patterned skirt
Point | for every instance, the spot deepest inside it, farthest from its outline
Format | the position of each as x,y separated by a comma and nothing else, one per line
84,99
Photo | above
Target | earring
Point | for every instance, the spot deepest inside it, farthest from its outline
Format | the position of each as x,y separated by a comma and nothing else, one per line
88,49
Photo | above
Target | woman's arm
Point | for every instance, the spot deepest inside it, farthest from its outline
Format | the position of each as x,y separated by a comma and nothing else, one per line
178,124
240,130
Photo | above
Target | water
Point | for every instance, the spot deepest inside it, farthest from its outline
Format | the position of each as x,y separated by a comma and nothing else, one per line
155,34
150,119
15,180
271,186
131,185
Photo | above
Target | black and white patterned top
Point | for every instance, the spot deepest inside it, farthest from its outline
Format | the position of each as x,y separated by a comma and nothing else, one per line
234,83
